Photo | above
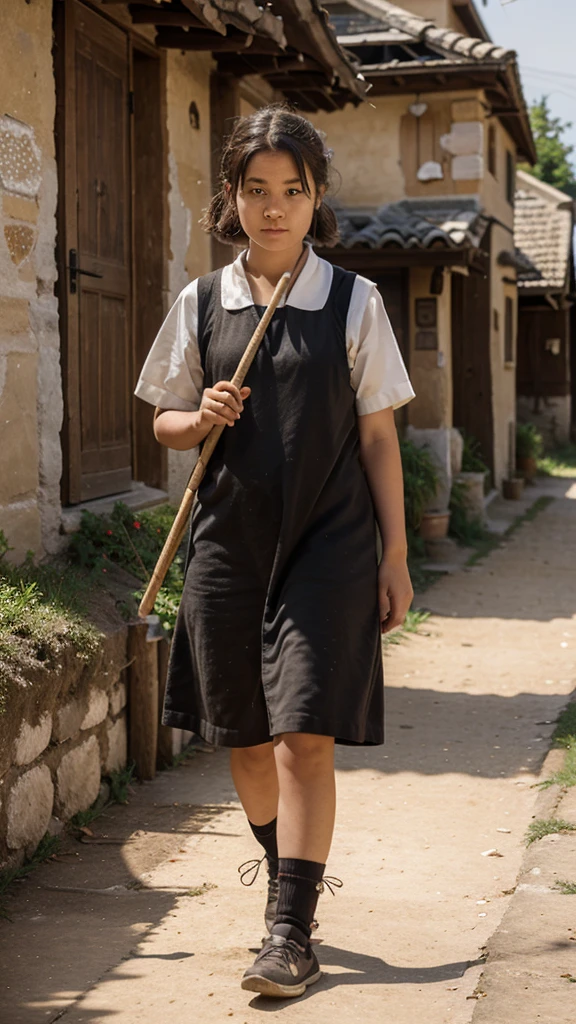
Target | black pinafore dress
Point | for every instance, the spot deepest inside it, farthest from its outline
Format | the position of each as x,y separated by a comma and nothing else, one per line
278,628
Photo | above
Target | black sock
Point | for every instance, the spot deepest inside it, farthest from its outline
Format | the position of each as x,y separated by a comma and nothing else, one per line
266,836
298,896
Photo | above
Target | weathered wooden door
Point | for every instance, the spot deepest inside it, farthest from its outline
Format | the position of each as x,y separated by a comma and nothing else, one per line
471,365
95,236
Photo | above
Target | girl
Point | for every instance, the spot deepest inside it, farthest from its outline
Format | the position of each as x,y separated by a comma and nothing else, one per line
276,651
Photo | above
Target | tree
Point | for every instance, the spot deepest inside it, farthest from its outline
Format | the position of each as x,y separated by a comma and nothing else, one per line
553,166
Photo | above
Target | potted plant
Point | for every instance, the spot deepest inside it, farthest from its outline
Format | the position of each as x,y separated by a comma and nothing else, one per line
529,445
513,487
473,478
420,485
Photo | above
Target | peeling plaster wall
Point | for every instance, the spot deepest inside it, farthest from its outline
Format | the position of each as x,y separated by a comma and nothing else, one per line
187,80
30,381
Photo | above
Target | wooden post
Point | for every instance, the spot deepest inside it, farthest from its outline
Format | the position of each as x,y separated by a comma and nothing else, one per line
143,689
165,755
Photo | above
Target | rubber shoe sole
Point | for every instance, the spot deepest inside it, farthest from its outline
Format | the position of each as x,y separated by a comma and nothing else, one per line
265,987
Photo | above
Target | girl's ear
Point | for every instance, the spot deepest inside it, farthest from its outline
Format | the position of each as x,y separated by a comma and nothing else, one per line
320,196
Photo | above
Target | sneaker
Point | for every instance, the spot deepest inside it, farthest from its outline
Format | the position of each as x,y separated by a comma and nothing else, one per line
283,969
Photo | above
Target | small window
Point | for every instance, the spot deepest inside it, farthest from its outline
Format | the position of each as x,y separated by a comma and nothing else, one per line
492,149
496,319
510,177
509,331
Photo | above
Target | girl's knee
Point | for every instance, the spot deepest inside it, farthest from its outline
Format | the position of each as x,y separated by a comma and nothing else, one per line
254,759
304,749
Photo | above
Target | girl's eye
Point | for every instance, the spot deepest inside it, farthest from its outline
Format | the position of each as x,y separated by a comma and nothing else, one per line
295,191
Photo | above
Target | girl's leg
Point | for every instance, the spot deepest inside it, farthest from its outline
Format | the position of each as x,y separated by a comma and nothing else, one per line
256,781
307,801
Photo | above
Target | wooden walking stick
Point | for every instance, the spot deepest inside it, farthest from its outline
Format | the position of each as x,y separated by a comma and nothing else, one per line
178,528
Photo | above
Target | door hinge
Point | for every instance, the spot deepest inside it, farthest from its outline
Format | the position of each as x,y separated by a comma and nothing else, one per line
130,101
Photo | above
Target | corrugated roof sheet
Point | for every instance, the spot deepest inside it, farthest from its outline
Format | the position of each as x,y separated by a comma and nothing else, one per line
543,225
444,223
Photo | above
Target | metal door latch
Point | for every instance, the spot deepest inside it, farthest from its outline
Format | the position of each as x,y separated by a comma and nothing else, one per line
74,270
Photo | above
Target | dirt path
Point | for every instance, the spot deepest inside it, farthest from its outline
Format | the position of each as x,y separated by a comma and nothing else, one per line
469,713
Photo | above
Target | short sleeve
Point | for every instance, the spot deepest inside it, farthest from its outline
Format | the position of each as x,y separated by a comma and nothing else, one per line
377,371
172,376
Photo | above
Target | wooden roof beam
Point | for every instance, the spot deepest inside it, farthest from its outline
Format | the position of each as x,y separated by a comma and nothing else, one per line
144,15
236,42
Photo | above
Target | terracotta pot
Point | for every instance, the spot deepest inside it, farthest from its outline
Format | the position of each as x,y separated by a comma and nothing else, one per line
434,525
512,489
528,467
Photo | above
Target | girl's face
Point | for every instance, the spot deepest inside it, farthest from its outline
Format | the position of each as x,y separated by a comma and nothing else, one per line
274,210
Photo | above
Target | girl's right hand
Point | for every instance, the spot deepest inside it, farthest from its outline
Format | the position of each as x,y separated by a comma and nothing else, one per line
222,404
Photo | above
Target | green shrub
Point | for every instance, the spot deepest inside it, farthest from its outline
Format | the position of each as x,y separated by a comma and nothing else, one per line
133,541
464,526
420,482
529,441
472,460
42,610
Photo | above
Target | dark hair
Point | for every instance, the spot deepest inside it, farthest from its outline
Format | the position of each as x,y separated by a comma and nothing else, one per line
271,129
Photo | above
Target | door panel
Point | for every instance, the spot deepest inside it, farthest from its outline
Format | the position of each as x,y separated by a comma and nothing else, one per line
97,226
471,366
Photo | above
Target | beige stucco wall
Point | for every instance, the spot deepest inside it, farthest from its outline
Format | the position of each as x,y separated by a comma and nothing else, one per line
367,169
431,371
30,382
189,168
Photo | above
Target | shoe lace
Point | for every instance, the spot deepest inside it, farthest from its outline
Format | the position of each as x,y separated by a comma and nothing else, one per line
249,870
287,953
331,883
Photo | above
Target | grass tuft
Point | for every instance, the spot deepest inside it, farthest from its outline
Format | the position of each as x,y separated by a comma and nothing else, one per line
415,619
564,736
566,888
42,609
547,827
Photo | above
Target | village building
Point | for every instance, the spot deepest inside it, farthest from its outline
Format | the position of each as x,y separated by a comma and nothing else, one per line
426,208
112,121
546,370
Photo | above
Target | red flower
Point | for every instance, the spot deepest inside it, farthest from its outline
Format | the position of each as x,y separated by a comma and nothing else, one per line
136,525
158,530
108,533
104,570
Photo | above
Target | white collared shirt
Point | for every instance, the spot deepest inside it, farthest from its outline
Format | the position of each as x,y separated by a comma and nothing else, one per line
172,376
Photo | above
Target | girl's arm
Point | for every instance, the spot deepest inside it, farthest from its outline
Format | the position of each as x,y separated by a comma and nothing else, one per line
181,430
380,454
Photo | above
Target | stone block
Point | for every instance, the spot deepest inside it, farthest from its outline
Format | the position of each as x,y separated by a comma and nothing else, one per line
19,208
68,720
32,740
21,525
468,168
14,312
97,709
118,698
29,809
19,451
78,778
117,746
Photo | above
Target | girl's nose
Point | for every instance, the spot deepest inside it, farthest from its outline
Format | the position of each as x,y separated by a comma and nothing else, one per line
273,211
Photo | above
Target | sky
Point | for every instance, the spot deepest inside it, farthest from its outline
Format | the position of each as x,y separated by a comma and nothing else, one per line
543,33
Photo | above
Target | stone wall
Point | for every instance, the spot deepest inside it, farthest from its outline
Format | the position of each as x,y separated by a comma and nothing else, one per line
30,389
61,730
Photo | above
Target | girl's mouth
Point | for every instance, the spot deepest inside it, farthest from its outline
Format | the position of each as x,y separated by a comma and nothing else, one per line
275,231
